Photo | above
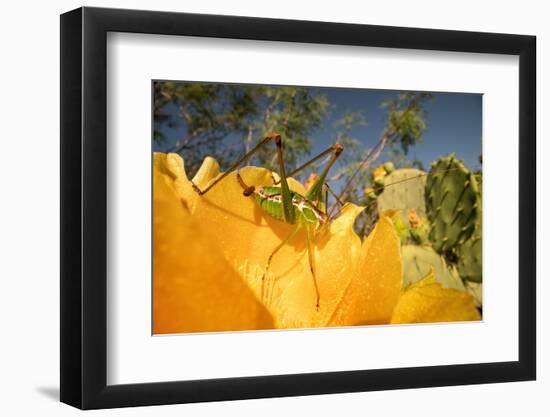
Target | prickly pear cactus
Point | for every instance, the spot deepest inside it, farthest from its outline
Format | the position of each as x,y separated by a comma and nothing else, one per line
453,203
479,179
469,256
419,261
404,190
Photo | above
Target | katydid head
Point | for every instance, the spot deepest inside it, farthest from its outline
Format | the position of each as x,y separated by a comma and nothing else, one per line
248,191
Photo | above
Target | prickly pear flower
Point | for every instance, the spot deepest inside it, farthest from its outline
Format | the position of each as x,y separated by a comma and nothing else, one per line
210,254
414,219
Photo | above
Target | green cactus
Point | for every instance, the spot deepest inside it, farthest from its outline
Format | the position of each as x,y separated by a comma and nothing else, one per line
469,256
453,203
419,261
470,252
403,190
479,179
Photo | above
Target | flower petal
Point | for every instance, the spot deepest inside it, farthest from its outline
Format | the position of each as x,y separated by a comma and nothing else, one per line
247,236
208,170
428,302
194,287
336,252
374,290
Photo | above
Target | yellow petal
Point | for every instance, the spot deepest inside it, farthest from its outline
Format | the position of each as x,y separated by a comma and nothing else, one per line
374,290
337,249
209,170
428,302
194,288
168,169
246,236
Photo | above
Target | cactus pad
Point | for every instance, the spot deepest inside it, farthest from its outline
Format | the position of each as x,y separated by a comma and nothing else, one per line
453,203
419,261
469,256
404,190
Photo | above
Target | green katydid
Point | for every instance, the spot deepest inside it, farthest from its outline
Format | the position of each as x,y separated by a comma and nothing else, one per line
281,203
307,211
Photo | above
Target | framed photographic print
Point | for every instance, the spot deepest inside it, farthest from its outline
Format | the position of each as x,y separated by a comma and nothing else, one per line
257,208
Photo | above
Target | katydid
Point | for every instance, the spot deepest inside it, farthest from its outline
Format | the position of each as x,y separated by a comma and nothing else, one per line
307,211
278,201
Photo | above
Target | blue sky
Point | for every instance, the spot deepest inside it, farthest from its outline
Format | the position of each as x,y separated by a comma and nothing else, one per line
453,123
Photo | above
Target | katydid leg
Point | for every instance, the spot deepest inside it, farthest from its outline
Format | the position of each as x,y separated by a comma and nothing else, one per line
288,209
315,192
243,159
332,193
277,249
311,265
372,155
315,159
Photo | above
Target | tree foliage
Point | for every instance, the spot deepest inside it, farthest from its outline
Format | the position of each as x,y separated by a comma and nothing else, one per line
406,119
228,119
405,126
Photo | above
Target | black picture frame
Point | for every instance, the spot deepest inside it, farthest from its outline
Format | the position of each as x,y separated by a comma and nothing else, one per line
84,207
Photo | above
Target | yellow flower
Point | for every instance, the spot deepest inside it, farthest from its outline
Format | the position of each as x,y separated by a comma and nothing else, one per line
427,302
210,253
185,298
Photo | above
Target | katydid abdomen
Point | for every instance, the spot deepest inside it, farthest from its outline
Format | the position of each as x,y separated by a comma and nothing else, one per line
271,201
